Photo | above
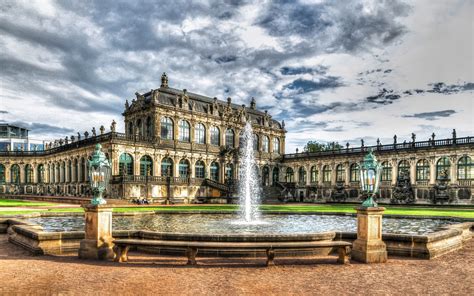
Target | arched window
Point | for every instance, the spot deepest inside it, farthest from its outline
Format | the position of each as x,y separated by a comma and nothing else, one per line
40,173
403,166
125,164
149,127
146,166
290,175
354,173
130,129
340,174
229,171
276,145
215,136
184,131
183,169
275,175
199,169
314,175
422,170
326,174
167,128
2,174
255,142
443,166
200,133
229,137
386,171
465,168
15,174
28,174
167,167
214,171
265,144
265,176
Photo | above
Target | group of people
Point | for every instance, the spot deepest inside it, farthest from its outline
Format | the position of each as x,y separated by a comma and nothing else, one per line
141,201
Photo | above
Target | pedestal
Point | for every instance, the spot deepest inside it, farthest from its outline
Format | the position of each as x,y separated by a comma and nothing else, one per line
98,233
369,247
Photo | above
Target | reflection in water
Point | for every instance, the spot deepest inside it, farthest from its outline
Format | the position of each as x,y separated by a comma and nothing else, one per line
225,224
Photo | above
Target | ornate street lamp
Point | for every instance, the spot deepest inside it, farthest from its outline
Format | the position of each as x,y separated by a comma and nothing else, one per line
369,178
99,174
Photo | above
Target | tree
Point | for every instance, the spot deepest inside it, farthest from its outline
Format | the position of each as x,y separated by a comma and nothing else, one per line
313,146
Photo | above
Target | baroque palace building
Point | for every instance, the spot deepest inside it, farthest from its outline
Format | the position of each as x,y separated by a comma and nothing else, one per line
183,147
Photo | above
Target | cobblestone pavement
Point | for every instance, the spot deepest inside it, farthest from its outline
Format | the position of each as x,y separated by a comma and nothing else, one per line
144,274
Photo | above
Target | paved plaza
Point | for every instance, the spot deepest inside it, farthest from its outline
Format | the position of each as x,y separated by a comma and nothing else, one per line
147,274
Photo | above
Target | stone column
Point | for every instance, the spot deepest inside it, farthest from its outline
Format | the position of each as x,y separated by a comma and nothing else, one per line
347,167
432,171
369,247
454,170
97,243
413,171
394,171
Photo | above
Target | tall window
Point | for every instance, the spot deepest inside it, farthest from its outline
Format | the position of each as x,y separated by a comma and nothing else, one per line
62,174
183,169
167,167
229,137
184,131
199,169
83,168
130,129
276,145
326,174
40,172
149,127
167,128
2,174
422,170
28,174
465,168
265,176
386,171
340,174
200,133
15,174
290,175
302,175
125,164
215,136
229,171
146,166
214,171
314,175
275,175
76,170
443,166
265,144
354,173
255,142
69,171
139,127
403,166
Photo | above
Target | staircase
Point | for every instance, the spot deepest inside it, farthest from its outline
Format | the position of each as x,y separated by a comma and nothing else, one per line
272,194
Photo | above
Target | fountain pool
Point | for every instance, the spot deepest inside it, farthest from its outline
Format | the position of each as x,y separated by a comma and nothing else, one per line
281,224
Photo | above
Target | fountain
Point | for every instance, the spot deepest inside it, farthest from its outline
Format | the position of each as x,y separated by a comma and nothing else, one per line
249,188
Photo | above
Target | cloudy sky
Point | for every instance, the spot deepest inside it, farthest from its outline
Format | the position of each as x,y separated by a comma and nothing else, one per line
333,70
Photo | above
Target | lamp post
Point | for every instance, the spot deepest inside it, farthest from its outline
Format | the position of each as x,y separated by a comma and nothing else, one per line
98,240
369,247
370,178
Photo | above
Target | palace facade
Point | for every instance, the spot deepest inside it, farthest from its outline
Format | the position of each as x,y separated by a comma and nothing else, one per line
179,146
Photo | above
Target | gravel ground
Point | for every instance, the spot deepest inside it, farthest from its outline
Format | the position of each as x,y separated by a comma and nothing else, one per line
144,274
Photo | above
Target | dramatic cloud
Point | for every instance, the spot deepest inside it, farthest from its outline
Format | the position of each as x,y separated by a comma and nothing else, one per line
432,115
330,69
